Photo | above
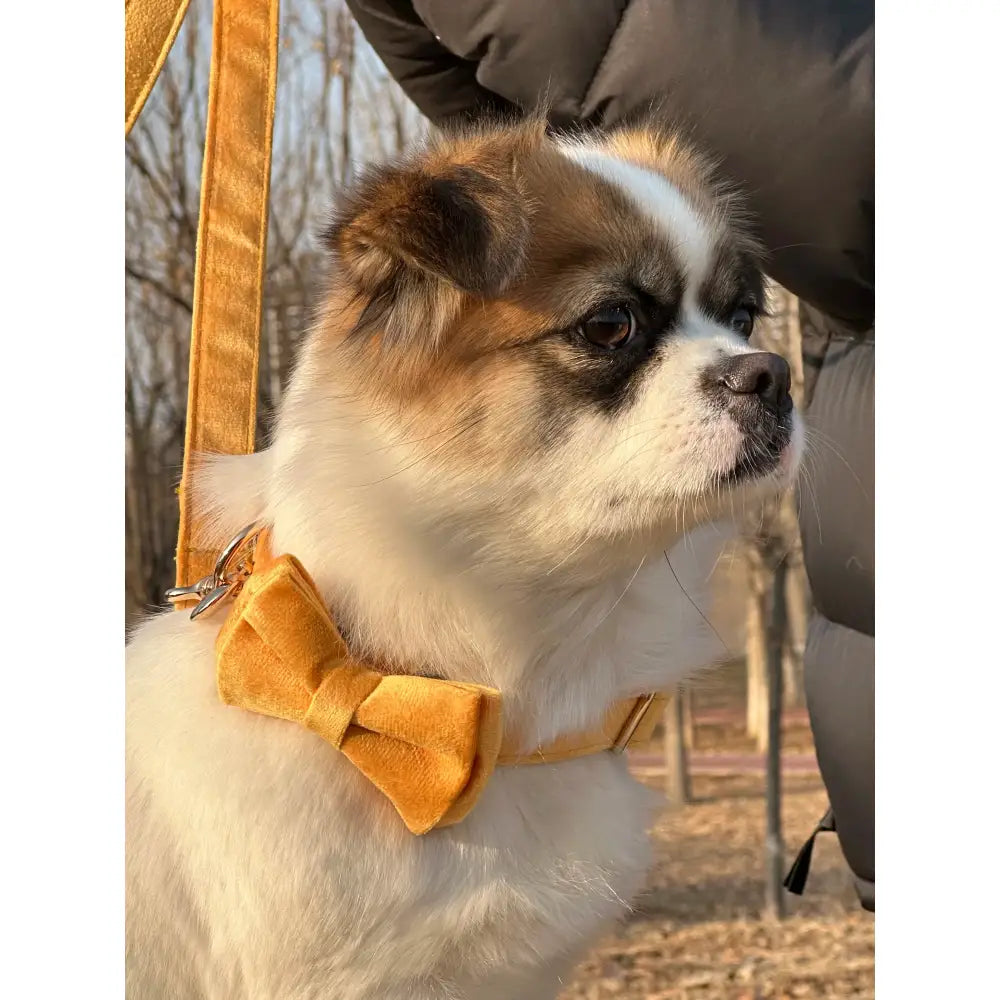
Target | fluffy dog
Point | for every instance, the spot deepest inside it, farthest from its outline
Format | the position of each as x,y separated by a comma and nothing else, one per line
529,375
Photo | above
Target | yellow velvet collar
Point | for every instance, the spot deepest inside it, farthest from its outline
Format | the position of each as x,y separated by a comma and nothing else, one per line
428,745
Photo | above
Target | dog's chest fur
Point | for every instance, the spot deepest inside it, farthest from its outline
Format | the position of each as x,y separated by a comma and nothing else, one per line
261,864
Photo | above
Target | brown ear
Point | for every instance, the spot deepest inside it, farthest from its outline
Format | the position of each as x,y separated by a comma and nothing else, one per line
416,238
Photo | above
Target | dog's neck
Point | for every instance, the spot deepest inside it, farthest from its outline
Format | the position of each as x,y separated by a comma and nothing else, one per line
560,656
416,594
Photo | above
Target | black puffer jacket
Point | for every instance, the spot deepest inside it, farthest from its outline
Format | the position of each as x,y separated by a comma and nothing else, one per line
783,92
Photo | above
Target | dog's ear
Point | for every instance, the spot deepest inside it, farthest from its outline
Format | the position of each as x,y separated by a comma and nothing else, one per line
413,239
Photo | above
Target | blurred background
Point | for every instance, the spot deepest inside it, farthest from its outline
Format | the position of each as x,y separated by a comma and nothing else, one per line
714,923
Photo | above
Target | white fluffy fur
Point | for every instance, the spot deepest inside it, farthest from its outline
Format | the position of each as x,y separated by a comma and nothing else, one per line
260,864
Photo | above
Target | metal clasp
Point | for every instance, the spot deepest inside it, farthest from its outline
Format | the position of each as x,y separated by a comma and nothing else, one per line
631,724
232,568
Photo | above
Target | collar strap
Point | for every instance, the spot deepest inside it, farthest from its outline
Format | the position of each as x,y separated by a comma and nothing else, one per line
428,745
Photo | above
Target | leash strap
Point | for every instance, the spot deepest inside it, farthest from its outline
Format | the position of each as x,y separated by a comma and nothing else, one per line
150,29
229,261
232,223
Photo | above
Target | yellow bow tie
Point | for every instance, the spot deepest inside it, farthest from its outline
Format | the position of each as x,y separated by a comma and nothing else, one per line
429,745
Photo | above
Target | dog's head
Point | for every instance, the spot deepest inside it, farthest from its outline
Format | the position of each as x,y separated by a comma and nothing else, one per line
545,341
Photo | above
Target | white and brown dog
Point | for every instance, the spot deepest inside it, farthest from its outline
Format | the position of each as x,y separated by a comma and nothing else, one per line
530,374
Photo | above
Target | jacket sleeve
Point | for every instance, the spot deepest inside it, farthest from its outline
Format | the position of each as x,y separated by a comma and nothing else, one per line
781,91
837,518
441,85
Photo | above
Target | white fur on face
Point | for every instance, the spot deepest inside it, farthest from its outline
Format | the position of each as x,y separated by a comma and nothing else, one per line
658,463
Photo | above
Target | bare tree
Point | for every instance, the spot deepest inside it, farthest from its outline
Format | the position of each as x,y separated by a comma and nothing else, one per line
777,611
756,641
335,104
770,534
774,848
675,747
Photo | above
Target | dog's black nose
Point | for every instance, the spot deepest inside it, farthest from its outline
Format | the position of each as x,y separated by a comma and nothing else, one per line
761,374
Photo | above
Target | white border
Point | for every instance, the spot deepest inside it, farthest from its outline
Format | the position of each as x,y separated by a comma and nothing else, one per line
938,386
61,590
937,391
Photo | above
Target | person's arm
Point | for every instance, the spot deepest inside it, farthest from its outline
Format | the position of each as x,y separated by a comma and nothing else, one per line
441,85
782,91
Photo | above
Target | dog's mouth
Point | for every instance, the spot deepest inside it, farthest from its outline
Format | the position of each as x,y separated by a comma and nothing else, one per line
762,452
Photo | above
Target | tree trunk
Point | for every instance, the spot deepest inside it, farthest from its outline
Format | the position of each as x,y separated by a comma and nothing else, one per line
797,606
678,780
687,701
773,846
345,43
756,652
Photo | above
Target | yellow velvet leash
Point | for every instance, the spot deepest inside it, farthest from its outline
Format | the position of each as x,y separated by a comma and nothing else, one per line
232,224
150,29
232,238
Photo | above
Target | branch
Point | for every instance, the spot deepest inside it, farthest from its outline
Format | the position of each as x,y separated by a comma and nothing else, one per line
159,286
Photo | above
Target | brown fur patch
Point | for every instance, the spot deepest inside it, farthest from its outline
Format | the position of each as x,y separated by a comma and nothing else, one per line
416,236
462,264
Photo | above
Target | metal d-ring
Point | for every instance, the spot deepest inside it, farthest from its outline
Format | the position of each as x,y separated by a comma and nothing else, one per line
233,566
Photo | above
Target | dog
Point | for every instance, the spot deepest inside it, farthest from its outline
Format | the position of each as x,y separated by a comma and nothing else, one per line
529,376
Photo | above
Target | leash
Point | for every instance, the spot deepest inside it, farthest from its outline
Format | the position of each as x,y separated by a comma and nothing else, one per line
150,30
232,224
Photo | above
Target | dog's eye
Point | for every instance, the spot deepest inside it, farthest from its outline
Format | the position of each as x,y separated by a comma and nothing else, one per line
742,321
611,328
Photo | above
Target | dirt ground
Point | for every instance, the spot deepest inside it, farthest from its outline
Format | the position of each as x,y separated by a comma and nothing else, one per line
698,931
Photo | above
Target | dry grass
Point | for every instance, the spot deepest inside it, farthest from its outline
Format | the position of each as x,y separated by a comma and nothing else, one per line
698,932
